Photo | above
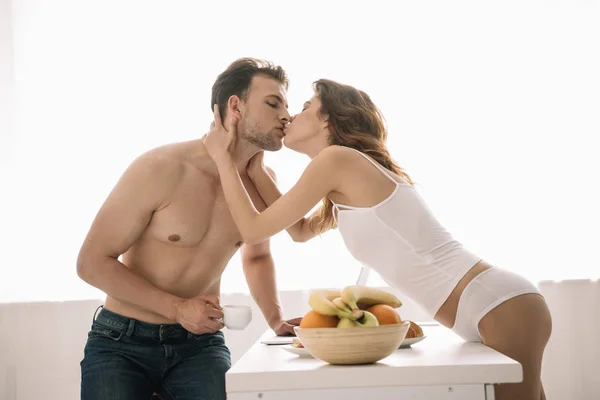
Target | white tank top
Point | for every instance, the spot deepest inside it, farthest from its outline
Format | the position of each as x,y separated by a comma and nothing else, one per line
404,243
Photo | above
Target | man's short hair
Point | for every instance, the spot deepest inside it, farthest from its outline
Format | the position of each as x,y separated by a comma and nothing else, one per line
237,78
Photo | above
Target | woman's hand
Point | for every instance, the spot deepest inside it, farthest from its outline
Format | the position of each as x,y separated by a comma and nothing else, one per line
220,142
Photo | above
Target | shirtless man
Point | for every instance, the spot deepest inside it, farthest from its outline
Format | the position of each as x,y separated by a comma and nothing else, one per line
159,329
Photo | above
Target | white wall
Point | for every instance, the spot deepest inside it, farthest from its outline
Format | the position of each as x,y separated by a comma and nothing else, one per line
491,107
7,92
6,83
41,344
572,361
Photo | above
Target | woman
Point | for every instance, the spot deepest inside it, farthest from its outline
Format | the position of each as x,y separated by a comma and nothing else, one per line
386,225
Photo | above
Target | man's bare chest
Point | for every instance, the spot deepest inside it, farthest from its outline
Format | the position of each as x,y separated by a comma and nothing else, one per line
196,215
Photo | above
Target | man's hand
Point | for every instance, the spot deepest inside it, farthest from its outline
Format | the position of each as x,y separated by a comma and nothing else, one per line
286,328
201,314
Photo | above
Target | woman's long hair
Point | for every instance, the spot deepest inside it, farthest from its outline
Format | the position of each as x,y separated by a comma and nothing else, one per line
353,121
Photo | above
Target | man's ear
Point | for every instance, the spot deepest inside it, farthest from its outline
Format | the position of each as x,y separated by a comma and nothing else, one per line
235,106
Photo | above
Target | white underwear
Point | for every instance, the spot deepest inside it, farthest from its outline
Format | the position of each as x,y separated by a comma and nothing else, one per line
485,292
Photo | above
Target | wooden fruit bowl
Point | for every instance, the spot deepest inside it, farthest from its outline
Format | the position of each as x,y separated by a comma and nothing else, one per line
364,345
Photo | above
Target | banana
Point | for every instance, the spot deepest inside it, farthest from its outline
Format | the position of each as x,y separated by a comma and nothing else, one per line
368,319
339,303
319,301
355,314
330,294
367,296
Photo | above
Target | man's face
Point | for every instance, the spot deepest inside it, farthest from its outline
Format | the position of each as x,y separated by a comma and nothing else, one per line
264,113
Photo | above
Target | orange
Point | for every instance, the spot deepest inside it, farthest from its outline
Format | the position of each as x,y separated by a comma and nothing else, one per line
313,319
385,314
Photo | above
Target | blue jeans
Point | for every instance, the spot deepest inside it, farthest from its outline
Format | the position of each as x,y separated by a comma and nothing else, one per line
126,359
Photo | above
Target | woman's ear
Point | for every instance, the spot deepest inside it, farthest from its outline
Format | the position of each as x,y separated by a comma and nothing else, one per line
235,107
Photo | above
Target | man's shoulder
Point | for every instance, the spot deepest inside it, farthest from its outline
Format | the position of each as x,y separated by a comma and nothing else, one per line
166,161
175,160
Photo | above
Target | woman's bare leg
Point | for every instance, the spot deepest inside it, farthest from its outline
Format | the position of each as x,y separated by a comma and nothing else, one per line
520,329
542,393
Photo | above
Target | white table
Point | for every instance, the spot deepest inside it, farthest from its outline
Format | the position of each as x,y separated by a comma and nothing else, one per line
440,367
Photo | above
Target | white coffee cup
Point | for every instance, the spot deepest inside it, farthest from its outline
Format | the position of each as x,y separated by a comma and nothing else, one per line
236,317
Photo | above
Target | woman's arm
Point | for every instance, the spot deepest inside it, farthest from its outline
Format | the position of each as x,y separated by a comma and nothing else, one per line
316,182
265,181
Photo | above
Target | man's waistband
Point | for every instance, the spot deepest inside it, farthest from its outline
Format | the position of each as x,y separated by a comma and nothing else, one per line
134,327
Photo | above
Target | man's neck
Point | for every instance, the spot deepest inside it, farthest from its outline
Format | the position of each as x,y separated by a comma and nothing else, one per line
242,154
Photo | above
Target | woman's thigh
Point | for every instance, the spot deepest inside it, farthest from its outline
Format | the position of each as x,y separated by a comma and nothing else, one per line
520,329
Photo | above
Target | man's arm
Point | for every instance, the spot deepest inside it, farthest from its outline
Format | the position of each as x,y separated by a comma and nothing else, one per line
119,223
143,188
259,269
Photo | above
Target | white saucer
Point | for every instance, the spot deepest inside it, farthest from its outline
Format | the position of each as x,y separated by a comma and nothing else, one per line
409,341
299,351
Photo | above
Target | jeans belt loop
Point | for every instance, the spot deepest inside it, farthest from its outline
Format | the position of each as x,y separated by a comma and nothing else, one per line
96,313
130,327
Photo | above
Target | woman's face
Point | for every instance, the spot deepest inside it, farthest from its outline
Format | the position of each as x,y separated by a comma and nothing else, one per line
305,127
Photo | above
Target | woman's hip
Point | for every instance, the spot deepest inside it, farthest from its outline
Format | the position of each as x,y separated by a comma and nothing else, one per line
486,292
